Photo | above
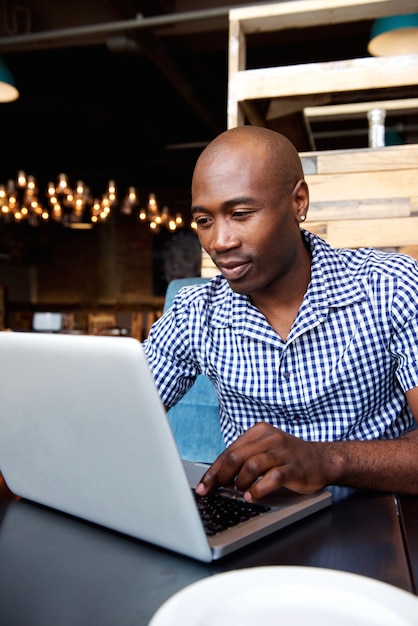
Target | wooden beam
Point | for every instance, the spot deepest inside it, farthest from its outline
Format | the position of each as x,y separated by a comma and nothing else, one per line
359,109
373,185
377,233
334,76
365,160
305,13
361,209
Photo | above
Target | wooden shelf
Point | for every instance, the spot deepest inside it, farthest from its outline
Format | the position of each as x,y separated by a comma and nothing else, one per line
366,197
309,81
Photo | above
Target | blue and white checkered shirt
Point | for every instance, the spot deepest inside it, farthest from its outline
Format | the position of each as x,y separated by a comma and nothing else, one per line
343,370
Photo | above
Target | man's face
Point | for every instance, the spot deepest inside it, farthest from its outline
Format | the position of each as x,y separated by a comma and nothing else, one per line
245,221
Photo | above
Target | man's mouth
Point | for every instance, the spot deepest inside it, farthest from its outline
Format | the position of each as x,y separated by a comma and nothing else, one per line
234,270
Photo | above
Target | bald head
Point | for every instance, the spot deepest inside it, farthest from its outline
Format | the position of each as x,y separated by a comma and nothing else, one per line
248,199
282,164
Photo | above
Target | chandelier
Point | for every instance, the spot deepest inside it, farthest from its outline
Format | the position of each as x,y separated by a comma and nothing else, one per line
157,218
76,207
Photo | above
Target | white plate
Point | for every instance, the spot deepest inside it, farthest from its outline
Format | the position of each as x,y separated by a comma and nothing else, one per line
296,596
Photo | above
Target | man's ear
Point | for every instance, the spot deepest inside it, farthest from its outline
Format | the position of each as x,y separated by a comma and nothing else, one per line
300,198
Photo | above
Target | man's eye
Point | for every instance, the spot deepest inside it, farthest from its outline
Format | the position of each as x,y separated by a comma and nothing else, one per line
241,214
202,221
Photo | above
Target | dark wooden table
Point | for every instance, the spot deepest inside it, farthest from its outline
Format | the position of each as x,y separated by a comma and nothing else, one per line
58,570
408,515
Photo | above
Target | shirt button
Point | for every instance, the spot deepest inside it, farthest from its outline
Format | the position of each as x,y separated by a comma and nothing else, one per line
287,375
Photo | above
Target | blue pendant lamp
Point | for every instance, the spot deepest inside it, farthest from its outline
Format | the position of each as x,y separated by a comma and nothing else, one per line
393,35
8,91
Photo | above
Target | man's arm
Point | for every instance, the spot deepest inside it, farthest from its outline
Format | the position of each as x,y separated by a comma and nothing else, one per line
412,398
5,494
265,458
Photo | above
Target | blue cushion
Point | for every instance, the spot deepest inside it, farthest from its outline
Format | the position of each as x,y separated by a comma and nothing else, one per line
195,419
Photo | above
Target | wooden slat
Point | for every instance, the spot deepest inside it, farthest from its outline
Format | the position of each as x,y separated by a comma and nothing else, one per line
279,16
208,269
410,250
329,77
364,185
360,209
236,61
358,109
209,272
378,233
368,159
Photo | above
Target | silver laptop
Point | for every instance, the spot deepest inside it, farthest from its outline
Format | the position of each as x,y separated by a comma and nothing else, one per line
83,431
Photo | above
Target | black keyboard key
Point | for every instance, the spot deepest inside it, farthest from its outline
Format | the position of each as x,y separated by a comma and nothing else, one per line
219,512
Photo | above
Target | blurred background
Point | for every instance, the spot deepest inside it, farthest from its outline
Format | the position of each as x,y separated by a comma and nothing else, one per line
131,91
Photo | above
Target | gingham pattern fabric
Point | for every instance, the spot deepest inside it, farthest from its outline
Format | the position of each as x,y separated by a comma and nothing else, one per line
342,372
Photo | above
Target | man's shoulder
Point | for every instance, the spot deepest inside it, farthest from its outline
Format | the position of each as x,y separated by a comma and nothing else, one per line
375,261
213,303
364,260
209,291
210,298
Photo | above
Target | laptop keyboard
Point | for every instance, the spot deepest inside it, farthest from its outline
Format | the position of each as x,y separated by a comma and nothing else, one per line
219,512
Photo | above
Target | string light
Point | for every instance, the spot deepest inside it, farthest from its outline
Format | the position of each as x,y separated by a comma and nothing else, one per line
157,218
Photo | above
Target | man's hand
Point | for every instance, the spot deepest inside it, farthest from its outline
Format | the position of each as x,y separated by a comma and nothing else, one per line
265,458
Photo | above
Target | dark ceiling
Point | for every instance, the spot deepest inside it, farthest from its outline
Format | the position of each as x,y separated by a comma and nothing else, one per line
98,101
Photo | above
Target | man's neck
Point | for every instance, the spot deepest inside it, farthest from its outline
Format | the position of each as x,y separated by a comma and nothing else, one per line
281,302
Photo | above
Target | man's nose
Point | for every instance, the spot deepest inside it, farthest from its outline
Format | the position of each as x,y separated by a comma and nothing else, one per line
224,237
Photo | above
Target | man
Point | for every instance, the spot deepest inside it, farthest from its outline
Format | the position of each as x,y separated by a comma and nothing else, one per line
313,351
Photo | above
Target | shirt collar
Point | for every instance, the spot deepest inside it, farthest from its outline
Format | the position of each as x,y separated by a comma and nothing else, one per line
331,285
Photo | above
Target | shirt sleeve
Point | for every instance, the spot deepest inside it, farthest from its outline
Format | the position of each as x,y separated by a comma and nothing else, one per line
404,344
169,355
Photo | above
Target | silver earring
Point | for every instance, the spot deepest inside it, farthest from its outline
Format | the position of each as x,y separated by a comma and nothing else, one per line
302,218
